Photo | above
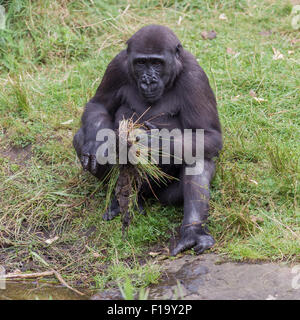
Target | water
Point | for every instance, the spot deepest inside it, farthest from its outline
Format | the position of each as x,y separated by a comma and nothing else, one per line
38,291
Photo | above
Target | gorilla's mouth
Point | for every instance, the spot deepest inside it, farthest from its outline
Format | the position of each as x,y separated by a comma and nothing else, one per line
152,91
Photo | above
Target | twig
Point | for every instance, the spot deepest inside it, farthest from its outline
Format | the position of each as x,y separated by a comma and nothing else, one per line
41,275
282,111
63,282
28,275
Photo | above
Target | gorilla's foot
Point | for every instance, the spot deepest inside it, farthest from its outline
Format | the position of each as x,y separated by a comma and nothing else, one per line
112,211
193,236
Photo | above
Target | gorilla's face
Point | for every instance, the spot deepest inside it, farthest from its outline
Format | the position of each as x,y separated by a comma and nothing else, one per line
154,61
149,72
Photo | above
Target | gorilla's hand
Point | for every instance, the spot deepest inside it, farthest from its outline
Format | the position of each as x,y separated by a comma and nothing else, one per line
114,209
88,156
193,236
150,125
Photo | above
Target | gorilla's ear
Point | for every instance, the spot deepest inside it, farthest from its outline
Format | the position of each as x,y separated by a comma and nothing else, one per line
178,50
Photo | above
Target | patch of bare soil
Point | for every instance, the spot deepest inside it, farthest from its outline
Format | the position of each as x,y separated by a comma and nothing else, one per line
17,155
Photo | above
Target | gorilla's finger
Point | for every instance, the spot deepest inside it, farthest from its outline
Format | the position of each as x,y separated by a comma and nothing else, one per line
110,214
93,164
182,245
205,242
150,125
199,249
85,162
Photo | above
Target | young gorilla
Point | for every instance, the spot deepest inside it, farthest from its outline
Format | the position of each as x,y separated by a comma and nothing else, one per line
157,74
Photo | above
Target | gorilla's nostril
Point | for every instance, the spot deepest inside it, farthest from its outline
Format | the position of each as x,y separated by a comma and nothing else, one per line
145,79
154,79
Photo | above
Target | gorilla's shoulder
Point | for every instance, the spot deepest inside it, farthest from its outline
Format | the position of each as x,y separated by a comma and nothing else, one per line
119,61
192,66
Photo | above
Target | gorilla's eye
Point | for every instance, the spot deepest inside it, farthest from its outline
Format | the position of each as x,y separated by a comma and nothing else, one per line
157,63
141,61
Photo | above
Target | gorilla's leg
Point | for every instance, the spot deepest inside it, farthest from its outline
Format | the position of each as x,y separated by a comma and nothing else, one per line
173,194
193,190
78,142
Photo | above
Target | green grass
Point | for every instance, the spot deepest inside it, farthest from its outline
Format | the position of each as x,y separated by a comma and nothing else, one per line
52,57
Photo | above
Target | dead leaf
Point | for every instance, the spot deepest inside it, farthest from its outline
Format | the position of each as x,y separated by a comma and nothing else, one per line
179,20
235,98
154,254
259,99
51,240
208,34
253,94
232,52
278,112
291,52
277,55
294,41
95,255
255,182
223,16
255,219
67,122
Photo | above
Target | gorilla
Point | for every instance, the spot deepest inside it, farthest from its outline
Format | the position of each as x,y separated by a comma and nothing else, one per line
156,74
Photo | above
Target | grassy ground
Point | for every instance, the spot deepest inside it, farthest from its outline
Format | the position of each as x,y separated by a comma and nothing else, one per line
52,57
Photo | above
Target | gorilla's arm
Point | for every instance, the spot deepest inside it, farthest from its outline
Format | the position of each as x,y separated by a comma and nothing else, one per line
199,110
99,111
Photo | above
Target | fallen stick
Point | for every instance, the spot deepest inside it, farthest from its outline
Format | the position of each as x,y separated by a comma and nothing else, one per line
63,282
40,275
28,275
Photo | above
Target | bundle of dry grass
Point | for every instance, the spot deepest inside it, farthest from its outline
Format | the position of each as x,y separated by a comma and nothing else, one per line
125,180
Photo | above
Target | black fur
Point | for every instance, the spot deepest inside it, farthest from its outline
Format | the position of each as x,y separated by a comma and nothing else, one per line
157,74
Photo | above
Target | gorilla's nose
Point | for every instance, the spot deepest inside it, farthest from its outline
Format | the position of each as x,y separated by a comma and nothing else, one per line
149,79
149,83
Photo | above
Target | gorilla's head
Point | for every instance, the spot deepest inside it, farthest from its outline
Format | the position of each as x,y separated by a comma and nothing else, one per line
154,60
